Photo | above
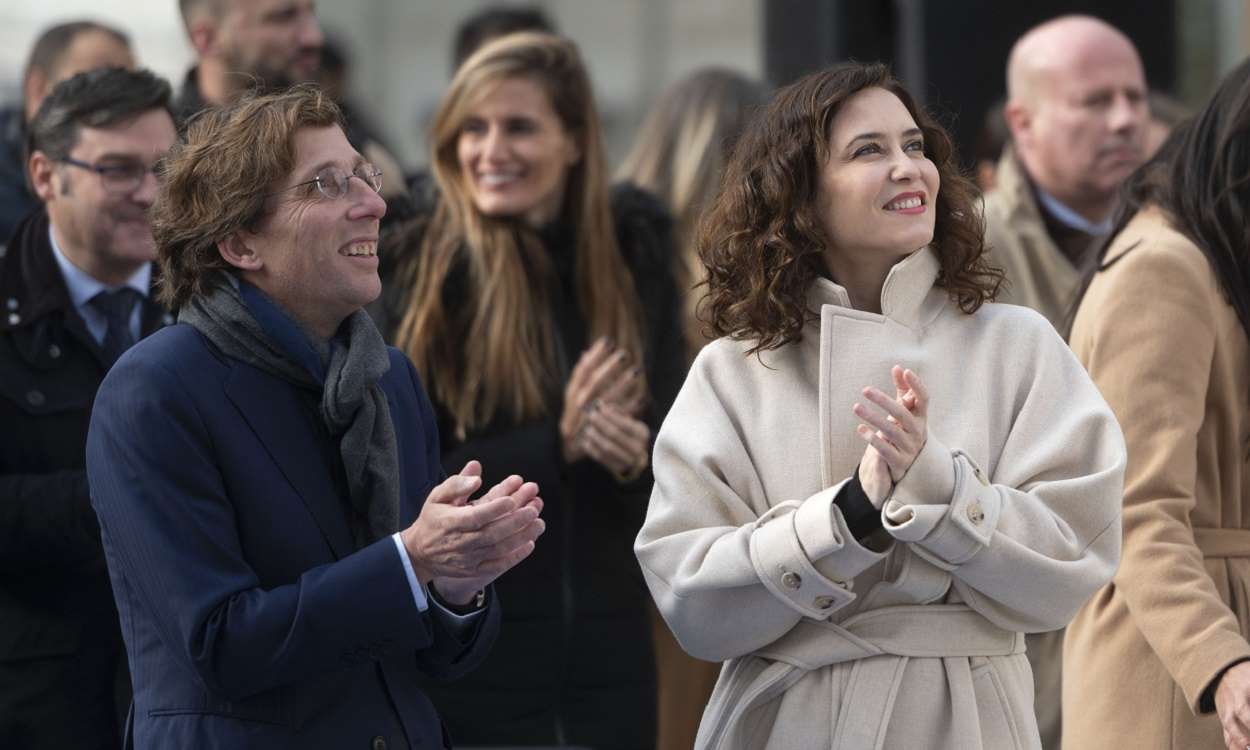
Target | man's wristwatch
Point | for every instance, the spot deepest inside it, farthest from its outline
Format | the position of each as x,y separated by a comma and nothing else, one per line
477,602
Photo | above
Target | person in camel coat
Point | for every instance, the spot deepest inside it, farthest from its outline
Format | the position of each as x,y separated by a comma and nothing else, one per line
874,483
1160,658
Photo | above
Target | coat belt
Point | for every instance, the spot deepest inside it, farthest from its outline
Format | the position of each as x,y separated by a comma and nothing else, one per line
1223,542
895,633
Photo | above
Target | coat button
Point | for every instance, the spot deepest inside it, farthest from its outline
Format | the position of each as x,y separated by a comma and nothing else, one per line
975,514
791,580
12,303
379,743
54,351
35,398
14,319
168,319
823,602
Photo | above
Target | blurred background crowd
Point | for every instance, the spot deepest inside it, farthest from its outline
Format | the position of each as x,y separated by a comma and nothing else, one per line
674,82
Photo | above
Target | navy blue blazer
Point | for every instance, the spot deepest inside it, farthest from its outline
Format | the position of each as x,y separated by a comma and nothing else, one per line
249,618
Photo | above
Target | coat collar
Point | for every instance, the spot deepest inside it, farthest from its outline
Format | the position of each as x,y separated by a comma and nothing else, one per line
33,288
31,285
1024,216
908,296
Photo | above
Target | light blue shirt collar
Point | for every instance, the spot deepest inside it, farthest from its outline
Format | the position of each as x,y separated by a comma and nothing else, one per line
83,286
1071,218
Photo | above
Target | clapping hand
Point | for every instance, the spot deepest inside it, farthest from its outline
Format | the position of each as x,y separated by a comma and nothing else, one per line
894,429
602,401
460,546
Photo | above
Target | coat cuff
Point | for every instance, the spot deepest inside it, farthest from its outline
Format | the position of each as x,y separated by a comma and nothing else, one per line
945,507
806,556
1197,676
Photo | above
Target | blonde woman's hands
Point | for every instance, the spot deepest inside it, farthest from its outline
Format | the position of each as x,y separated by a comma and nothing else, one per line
894,429
603,374
617,441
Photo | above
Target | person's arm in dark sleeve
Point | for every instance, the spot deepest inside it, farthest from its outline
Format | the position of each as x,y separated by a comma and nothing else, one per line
170,530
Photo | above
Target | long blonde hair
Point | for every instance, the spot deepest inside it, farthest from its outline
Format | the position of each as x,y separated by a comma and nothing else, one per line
505,358
679,156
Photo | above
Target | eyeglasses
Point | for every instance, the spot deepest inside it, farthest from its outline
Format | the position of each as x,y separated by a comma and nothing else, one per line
332,182
116,177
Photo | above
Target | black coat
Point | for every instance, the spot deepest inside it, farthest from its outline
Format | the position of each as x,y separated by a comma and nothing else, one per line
62,668
16,200
574,662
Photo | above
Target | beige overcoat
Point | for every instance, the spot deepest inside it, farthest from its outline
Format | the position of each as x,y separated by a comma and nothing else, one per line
1039,275
1172,359
1007,521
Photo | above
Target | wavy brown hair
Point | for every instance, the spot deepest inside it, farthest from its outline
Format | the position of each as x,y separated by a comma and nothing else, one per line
509,362
217,178
762,242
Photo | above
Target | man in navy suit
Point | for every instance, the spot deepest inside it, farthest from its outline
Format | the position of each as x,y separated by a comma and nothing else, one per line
286,554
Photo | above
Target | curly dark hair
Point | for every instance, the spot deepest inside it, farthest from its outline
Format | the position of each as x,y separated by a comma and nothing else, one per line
762,240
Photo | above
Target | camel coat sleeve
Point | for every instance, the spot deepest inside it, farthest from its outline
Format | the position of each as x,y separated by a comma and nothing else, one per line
1146,335
1028,543
729,574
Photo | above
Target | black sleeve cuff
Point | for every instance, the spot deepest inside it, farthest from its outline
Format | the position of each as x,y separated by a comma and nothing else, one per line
1206,702
862,518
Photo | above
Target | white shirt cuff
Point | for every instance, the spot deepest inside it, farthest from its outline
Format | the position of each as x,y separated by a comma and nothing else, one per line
418,591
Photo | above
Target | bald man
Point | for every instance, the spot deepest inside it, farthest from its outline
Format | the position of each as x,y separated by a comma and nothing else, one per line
1076,110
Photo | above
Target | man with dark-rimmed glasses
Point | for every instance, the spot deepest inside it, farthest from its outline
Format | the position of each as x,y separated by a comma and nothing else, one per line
74,293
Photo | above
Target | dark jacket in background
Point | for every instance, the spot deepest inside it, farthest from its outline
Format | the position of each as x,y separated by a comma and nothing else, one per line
62,667
574,662
15,198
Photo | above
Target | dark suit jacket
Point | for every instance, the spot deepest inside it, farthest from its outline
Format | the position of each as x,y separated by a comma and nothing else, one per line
250,620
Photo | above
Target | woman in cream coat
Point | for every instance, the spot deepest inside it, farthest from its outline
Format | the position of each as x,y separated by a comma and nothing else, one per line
873,483
1158,659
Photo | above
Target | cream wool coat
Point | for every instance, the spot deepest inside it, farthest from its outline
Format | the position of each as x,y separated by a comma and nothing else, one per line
1007,521
1162,342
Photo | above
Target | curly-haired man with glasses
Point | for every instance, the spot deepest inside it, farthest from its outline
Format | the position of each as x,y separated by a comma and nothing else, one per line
75,283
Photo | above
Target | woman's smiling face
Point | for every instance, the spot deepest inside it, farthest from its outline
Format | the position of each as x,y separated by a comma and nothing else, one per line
878,190
515,153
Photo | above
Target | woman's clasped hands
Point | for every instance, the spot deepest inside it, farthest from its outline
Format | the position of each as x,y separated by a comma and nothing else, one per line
895,429
604,397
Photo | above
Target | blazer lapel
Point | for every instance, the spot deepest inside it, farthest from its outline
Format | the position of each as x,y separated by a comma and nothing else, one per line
271,408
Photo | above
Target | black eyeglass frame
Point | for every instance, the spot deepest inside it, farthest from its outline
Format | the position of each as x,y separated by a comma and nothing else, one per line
132,183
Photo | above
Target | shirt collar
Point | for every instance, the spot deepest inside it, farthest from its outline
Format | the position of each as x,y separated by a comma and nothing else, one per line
1070,218
83,286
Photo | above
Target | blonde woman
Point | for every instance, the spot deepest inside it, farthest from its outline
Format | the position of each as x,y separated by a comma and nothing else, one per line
538,308
679,155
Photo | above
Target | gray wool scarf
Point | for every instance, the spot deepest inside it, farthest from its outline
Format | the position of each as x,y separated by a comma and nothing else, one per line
353,405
